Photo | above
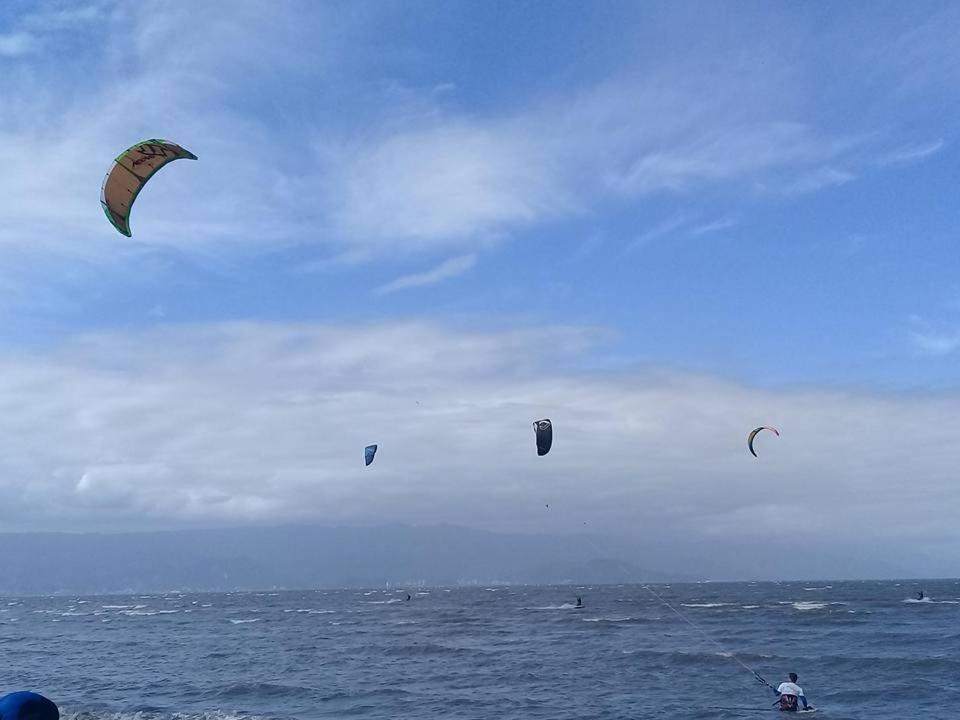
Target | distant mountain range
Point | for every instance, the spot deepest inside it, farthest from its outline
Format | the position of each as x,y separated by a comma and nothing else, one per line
301,557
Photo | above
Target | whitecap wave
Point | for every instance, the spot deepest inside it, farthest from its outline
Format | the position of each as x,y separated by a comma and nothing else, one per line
705,605
565,606
806,605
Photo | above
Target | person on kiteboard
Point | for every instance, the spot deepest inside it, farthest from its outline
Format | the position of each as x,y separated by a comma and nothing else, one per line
579,602
791,695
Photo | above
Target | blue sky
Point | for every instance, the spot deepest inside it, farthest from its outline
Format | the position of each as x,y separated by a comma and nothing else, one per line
759,191
749,196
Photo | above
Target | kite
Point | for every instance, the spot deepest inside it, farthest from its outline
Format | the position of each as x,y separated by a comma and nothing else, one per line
130,172
368,452
544,431
753,434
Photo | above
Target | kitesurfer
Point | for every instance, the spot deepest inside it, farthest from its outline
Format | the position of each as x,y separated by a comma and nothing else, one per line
408,597
579,602
920,595
791,695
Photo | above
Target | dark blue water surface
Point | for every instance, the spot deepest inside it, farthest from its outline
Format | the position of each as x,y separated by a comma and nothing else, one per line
862,649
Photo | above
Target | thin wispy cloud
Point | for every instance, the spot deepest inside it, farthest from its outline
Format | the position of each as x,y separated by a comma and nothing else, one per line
77,15
446,270
819,179
936,344
931,338
712,227
912,153
661,229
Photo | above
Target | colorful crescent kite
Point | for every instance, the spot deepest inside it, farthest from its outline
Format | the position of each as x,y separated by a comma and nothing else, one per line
544,431
753,434
130,172
368,453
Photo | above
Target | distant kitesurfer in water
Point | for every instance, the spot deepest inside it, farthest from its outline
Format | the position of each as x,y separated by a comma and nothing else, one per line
791,695
579,602
920,595
408,597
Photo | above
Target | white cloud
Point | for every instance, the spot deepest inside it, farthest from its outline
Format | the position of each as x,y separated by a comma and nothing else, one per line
446,186
460,179
450,268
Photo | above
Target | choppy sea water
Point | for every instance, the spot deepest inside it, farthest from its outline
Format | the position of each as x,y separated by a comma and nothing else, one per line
862,650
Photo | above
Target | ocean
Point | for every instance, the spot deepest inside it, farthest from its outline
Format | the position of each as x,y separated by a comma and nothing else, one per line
862,650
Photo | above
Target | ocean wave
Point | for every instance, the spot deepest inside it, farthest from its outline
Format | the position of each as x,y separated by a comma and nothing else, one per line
706,605
681,658
620,620
68,714
804,605
244,621
432,648
565,606
261,690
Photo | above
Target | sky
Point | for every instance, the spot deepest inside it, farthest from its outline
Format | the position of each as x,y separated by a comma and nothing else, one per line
428,224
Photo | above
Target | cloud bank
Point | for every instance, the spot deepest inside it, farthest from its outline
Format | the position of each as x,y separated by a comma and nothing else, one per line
241,423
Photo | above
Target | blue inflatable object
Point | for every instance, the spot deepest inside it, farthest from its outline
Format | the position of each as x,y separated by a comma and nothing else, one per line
27,706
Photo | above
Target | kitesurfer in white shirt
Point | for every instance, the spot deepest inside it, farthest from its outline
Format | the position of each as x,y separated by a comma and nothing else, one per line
791,695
